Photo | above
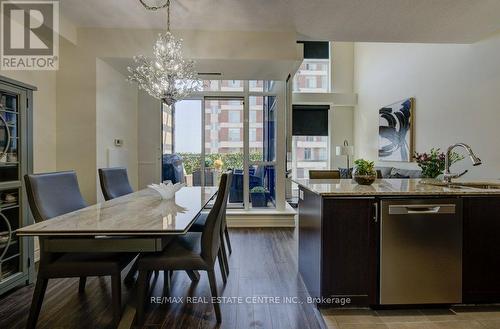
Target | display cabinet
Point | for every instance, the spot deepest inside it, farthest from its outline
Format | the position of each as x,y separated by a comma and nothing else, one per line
16,254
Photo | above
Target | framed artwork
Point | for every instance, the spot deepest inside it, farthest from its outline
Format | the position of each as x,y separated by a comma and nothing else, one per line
395,131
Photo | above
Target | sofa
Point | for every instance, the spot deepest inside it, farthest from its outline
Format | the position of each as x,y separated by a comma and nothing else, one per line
393,172
387,172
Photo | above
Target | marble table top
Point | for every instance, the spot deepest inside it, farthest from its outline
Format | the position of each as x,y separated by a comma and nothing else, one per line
381,187
138,214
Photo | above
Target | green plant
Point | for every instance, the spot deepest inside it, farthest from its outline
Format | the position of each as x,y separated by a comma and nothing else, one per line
258,189
192,161
433,163
208,163
364,167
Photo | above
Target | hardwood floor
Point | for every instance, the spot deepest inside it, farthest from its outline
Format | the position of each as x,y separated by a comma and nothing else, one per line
263,263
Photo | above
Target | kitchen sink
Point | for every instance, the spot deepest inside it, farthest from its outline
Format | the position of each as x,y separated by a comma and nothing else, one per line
479,185
458,185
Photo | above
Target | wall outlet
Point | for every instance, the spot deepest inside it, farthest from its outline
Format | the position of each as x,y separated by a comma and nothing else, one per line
118,142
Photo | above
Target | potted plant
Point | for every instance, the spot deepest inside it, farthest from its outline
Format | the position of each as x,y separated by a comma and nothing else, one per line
433,163
364,172
258,196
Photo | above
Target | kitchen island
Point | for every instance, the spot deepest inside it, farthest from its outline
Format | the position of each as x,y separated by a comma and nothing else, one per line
399,242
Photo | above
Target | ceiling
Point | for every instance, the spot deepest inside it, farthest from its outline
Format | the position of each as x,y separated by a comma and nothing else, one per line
459,21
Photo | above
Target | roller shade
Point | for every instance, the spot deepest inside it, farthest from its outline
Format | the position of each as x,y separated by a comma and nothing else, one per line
316,49
310,120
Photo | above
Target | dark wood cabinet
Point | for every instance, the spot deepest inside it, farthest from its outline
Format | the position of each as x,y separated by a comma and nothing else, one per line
481,250
338,249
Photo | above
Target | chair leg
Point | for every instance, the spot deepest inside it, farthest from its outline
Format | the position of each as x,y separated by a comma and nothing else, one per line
224,255
36,302
130,275
142,288
166,281
193,275
81,285
116,299
213,289
226,232
222,266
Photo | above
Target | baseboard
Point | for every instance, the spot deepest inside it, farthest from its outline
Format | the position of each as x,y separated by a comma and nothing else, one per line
249,220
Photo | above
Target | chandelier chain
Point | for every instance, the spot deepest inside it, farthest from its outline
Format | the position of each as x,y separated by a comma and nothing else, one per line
148,7
154,8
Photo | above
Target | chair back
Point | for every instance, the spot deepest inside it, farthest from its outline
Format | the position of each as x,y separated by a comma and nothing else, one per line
210,238
53,194
324,174
114,182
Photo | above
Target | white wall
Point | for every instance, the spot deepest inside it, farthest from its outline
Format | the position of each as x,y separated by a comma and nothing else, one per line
149,139
116,118
457,91
341,99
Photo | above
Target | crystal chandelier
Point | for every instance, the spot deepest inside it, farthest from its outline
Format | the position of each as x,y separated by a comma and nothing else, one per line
167,76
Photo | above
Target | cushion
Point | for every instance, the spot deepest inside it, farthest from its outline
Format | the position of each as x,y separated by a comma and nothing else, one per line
397,175
385,171
345,173
408,173
184,252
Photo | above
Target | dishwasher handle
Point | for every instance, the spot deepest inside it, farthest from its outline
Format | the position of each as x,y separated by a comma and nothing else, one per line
410,209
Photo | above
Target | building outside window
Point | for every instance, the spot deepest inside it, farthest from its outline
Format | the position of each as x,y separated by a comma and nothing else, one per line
234,134
234,116
307,154
313,75
253,134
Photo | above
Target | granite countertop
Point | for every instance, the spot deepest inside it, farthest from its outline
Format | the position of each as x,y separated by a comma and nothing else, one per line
386,187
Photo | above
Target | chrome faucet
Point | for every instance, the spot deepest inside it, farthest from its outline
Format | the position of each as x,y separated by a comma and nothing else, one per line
448,176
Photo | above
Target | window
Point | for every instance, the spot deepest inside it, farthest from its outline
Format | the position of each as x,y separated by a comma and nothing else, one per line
307,154
234,134
311,82
234,116
253,135
253,114
313,75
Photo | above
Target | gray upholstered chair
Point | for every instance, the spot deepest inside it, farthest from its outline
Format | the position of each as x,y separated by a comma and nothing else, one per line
192,251
324,174
51,195
114,182
199,226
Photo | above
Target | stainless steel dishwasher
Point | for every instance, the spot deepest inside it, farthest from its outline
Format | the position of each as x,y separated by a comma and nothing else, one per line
421,251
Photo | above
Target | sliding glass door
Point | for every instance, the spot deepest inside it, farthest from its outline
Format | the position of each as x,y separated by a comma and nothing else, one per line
231,125
223,143
182,142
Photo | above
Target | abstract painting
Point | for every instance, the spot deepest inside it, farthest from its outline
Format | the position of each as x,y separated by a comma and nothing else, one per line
395,135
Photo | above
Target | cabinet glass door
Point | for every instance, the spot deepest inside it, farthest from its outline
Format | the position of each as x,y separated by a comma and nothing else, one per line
10,213
9,138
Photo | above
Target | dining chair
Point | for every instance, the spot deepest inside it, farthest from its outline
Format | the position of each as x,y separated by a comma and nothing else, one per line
51,195
324,174
114,182
199,226
193,251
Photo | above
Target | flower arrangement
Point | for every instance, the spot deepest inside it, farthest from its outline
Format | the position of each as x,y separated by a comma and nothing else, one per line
218,164
433,163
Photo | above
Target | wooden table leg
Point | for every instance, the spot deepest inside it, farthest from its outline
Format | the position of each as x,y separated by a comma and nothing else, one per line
193,275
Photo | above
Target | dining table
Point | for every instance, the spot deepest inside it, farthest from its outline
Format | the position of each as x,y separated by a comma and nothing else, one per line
138,222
